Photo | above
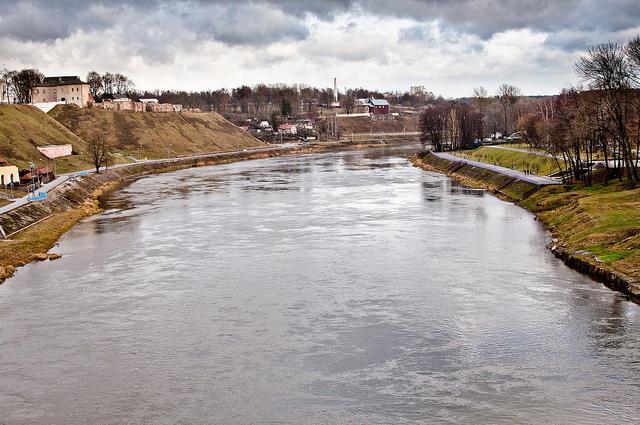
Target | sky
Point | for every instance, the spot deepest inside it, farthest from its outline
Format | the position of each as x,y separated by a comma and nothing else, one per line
448,46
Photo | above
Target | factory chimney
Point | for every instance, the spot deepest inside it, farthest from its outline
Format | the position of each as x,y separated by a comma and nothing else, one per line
335,89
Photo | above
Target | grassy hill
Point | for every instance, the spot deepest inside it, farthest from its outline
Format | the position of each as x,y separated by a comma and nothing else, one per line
155,135
601,221
23,128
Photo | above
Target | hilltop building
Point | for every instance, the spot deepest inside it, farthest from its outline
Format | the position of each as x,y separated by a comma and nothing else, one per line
417,91
378,107
67,89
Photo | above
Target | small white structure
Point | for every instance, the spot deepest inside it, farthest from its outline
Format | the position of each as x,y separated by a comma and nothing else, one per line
55,151
8,174
265,124
47,106
145,101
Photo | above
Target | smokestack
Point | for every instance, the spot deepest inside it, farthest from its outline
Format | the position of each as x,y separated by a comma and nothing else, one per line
335,89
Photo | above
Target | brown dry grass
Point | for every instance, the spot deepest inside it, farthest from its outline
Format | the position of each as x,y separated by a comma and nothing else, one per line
158,135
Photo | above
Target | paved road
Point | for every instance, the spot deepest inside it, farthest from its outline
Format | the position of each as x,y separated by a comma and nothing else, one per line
540,181
64,177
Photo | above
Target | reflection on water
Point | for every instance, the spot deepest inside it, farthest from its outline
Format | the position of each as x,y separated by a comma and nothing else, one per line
341,288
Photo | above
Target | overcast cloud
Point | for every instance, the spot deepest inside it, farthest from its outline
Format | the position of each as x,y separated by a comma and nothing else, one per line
449,46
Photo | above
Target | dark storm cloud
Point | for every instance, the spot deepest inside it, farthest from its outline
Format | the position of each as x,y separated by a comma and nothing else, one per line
260,22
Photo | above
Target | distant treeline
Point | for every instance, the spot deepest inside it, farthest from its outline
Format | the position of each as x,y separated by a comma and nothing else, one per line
260,99
600,121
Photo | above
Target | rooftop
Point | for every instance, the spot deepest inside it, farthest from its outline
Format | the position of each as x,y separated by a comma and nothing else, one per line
378,102
61,81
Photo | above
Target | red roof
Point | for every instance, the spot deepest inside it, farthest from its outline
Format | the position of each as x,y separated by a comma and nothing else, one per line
42,170
4,162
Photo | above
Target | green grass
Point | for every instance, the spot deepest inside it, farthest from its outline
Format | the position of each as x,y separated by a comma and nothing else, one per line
604,220
536,164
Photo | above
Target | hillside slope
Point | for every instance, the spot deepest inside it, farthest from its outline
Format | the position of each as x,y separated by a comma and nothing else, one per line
24,127
348,125
156,135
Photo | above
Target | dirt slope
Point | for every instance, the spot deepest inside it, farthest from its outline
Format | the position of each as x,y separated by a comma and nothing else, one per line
157,135
24,127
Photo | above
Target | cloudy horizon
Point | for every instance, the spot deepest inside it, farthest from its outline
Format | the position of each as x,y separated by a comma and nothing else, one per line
447,46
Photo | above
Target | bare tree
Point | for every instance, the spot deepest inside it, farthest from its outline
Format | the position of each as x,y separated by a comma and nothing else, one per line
481,99
99,152
348,103
508,96
608,69
108,83
95,83
23,82
6,76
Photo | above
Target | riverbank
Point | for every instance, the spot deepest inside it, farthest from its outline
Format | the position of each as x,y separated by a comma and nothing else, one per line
33,229
596,229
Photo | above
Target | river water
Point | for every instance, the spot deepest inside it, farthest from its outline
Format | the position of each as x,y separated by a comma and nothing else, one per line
343,288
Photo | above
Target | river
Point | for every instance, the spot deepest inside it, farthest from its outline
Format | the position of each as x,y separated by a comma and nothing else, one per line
344,288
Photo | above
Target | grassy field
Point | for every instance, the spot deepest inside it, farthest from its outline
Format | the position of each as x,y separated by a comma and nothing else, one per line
536,164
603,221
155,135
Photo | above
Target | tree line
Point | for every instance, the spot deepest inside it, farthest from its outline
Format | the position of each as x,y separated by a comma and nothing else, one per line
599,121
260,99
18,84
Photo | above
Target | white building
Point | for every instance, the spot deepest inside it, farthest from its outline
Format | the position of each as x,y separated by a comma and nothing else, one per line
417,90
4,98
67,89
8,174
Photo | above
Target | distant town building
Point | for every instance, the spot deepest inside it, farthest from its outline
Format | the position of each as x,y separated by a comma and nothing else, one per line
162,107
67,89
288,129
417,91
378,106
